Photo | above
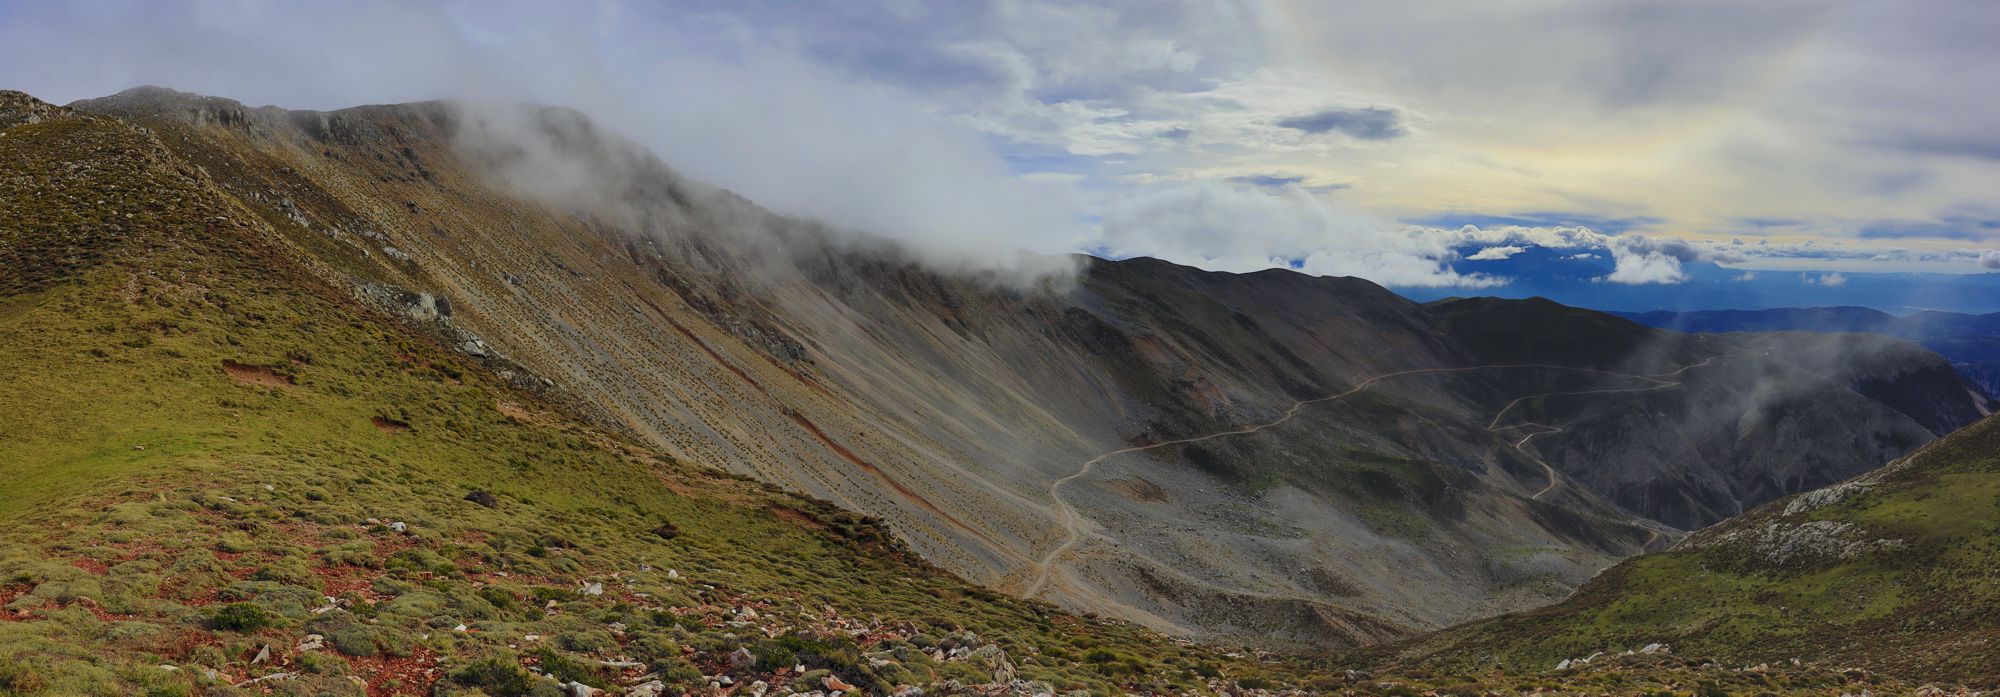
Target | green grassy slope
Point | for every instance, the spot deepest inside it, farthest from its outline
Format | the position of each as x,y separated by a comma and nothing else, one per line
201,445
1891,572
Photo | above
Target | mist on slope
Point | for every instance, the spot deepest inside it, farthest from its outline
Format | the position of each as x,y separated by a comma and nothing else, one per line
757,120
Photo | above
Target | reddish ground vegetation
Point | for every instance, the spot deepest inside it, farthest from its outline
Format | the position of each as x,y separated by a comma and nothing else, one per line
412,674
263,375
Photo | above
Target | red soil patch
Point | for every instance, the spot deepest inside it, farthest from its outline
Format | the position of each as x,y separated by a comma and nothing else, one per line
180,644
256,374
415,673
9,594
871,468
797,517
341,579
95,567
99,612
514,411
389,425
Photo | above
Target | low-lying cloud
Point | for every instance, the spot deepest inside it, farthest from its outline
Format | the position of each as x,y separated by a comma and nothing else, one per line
713,98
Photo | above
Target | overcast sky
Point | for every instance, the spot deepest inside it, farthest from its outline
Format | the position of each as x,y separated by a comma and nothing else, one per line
1338,138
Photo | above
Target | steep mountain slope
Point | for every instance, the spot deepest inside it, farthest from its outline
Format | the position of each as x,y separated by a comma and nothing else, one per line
219,469
1740,430
1970,342
1265,456
1890,571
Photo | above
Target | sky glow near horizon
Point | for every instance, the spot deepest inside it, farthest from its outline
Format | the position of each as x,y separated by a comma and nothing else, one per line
1382,140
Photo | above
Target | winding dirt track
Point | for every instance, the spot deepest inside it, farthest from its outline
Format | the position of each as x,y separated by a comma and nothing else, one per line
1554,478
1073,522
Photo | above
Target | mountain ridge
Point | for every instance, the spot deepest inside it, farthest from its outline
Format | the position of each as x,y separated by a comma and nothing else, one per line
925,400
949,408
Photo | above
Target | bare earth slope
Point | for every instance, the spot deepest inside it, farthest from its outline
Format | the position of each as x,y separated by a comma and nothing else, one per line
1144,440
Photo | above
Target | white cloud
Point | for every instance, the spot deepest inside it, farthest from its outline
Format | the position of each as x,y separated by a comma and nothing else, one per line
969,129
1637,267
1744,277
1990,259
1496,253
1826,279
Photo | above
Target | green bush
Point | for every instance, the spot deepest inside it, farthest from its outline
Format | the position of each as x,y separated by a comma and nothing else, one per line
773,656
354,640
569,669
496,675
240,617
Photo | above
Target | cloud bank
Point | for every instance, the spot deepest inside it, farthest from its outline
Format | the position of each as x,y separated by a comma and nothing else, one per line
1799,134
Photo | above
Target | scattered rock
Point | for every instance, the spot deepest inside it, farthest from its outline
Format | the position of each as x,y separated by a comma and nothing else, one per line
593,588
398,526
1778,543
742,658
273,676
312,642
577,689
836,684
483,498
648,689
1821,498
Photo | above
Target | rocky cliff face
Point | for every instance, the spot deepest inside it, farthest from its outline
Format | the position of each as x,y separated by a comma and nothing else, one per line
1265,456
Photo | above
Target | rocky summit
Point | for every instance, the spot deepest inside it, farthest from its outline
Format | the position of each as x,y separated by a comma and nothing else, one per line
368,402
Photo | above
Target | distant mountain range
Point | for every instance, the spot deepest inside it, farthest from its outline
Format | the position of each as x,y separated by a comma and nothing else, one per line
1971,342
1575,277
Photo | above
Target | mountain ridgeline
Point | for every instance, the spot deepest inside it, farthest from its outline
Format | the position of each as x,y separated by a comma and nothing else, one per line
947,405
1266,458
